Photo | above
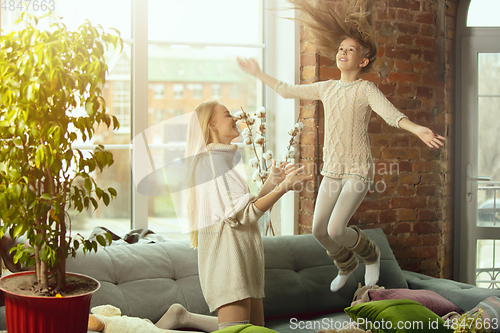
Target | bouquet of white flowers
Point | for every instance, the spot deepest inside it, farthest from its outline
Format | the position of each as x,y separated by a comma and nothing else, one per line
262,164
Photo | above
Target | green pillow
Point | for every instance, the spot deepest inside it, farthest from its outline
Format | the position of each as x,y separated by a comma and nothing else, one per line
396,316
248,328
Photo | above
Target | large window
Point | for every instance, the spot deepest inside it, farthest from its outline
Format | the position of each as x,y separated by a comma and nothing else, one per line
192,49
478,175
176,54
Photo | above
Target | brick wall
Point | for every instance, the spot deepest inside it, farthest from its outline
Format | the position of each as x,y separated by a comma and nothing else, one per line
412,198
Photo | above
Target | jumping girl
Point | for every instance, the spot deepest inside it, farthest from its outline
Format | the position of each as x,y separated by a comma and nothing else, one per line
345,36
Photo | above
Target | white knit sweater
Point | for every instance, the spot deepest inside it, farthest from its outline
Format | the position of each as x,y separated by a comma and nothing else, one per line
346,149
230,250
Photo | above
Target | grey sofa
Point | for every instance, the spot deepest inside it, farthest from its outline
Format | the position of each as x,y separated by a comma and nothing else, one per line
143,280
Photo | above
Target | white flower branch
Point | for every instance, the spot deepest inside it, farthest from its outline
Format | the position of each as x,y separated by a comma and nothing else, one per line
261,173
261,169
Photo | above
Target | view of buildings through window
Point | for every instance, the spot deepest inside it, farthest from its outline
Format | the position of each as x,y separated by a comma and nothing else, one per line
191,58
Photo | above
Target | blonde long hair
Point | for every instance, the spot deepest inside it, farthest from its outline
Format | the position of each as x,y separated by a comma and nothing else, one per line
326,28
198,138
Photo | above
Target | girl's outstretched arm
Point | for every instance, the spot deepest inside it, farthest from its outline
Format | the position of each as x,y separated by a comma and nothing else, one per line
425,134
251,66
384,108
311,91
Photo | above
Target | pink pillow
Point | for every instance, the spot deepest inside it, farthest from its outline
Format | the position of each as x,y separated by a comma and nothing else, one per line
431,300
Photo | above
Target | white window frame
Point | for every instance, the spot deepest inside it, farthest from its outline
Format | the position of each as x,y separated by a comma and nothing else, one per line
282,62
282,54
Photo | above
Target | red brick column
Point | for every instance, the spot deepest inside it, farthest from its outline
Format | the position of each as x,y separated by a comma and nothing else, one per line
412,198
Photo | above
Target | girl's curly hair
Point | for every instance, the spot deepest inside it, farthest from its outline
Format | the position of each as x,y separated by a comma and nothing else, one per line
326,28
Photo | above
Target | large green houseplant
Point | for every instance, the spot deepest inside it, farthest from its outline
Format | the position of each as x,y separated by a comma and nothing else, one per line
47,77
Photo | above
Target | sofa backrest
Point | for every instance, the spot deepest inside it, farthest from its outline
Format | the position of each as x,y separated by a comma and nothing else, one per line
465,296
299,273
143,280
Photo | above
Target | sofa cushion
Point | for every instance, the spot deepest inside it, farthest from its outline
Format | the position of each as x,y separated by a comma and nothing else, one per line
430,299
396,316
299,272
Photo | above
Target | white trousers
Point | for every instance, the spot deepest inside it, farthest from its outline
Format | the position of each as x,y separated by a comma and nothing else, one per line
337,201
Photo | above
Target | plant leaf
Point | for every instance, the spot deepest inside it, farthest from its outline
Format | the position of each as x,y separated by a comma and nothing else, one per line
112,191
101,240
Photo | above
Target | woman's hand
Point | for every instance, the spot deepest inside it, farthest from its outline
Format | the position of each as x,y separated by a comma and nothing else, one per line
293,180
278,173
430,138
249,65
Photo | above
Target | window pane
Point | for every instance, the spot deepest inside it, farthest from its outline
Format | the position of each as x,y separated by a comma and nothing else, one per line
488,263
483,13
189,76
488,134
117,94
117,90
163,217
116,216
75,12
181,77
217,21
117,97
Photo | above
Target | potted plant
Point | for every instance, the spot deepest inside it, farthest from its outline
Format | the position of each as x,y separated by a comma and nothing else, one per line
47,77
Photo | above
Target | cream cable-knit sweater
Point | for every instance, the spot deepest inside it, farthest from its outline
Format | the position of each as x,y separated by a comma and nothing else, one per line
346,149
230,250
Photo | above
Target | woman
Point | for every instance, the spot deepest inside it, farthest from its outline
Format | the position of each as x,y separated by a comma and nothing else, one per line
223,219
